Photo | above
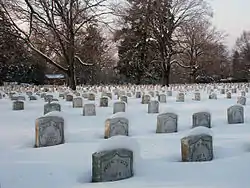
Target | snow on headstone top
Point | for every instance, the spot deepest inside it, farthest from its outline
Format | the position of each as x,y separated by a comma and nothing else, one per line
89,102
203,109
55,113
199,131
54,102
168,110
121,142
119,115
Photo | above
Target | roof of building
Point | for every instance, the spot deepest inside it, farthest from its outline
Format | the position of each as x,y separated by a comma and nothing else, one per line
54,76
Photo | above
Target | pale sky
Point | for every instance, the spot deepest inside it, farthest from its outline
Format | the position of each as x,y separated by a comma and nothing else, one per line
231,16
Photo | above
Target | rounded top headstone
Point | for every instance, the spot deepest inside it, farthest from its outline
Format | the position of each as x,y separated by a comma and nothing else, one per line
200,131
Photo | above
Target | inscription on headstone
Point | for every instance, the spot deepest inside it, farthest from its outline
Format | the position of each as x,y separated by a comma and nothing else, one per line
197,148
89,110
235,114
167,123
112,165
49,131
50,107
202,119
116,126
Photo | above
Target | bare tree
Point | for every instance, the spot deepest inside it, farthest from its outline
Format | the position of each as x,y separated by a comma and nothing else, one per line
165,19
61,21
196,41
241,57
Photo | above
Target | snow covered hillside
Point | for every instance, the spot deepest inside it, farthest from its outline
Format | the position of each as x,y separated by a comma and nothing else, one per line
158,163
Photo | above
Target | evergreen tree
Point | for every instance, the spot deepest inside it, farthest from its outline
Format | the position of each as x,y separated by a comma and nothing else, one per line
136,49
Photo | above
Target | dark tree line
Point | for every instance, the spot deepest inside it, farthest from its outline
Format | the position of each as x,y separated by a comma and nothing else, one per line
17,64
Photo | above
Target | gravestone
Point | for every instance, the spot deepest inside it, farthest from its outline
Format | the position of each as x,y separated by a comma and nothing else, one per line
69,97
49,131
197,148
61,95
51,107
85,95
241,100
153,107
112,165
222,91
169,93
77,94
162,98
77,102
119,106
229,95
138,94
145,99
180,97
197,96
32,98
104,102
235,114
18,105
14,97
116,126
124,99
43,95
29,93
213,96
48,98
202,119
167,123
129,94
21,98
243,93
109,95
89,110
152,94
91,97
234,90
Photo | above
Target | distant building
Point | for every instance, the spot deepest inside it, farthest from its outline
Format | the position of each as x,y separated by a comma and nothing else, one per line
57,79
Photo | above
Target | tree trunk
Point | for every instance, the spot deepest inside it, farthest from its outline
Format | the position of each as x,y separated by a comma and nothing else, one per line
166,76
71,77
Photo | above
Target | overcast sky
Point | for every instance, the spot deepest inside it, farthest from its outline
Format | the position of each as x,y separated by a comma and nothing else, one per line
231,16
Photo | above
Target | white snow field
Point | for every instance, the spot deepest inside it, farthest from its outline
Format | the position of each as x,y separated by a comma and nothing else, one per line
158,164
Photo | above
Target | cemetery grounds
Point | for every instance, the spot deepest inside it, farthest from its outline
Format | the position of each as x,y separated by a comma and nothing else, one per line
158,162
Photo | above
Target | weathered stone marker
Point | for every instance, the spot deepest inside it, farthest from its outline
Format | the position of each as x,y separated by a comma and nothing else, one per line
89,110
235,114
104,102
116,126
112,165
180,97
18,105
153,107
145,99
162,98
77,102
119,106
124,99
241,100
202,119
48,98
49,131
167,123
91,97
50,107
197,147
69,97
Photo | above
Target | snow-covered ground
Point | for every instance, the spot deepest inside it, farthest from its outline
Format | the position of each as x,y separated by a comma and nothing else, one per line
159,164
